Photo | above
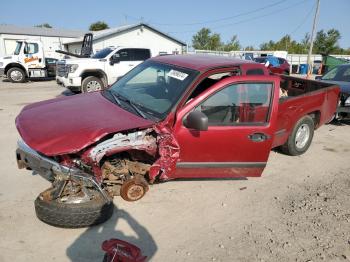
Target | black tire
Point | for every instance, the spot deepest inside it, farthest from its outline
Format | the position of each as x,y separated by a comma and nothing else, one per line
88,82
290,147
21,75
73,215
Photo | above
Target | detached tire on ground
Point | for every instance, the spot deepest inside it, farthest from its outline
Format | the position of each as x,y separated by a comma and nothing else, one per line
91,84
73,215
301,137
16,75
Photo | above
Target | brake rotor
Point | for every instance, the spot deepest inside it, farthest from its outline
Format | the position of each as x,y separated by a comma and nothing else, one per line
134,189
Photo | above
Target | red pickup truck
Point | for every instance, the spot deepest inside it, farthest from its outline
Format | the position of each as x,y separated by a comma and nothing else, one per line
170,117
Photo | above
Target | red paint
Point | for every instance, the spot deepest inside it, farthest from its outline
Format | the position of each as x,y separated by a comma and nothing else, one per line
224,143
69,124
281,69
202,62
72,124
121,251
169,152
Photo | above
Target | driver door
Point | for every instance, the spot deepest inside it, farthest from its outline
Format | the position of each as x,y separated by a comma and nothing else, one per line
121,63
242,119
33,55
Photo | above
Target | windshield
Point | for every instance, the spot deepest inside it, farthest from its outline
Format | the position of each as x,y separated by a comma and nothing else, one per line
103,53
260,59
339,73
153,87
18,48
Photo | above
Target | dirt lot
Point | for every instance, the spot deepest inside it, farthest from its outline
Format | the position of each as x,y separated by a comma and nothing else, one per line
298,211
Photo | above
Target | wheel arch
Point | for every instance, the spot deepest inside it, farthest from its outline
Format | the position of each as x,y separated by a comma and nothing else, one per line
96,73
316,117
12,65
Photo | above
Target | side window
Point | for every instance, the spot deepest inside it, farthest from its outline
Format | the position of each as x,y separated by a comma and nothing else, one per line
280,60
31,48
213,79
141,54
239,104
346,75
124,55
255,71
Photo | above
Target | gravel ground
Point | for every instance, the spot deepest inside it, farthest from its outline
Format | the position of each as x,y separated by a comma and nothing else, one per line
299,210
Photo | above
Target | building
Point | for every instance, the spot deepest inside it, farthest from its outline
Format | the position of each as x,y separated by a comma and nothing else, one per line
138,35
51,38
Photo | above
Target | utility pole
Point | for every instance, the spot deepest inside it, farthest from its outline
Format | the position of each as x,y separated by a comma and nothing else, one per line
309,63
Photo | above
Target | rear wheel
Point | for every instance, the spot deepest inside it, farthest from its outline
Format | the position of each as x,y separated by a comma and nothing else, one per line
300,139
92,84
16,75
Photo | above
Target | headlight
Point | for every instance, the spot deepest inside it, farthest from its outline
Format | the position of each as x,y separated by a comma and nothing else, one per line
347,101
73,68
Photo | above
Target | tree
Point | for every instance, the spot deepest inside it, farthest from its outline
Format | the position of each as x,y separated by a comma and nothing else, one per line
233,44
44,25
286,43
268,45
204,39
326,42
249,48
99,25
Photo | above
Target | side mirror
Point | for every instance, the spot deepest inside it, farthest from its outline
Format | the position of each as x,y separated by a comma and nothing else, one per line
318,77
114,60
196,120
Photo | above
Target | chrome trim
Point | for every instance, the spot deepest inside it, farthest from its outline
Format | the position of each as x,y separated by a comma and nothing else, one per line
49,169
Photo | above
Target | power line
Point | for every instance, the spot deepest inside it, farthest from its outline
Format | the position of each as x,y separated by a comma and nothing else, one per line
303,21
225,18
246,20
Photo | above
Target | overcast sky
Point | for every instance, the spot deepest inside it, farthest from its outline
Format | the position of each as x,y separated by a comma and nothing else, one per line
253,21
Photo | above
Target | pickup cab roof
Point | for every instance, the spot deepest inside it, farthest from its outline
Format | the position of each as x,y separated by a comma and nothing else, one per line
203,62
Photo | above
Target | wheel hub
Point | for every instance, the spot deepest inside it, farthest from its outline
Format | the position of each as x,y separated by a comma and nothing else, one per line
16,75
134,189
302,136
93,86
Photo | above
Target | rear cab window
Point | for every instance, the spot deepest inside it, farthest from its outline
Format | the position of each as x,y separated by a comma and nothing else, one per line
213,79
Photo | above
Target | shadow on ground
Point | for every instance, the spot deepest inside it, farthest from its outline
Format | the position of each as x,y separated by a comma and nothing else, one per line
39,79
66,92
87,247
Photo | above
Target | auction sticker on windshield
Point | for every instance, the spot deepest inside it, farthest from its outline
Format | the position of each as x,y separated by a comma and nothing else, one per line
177,74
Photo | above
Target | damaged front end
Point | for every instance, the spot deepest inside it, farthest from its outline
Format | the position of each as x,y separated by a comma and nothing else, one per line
123,164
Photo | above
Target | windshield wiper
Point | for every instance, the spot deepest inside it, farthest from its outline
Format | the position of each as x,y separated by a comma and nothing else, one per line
117,97
135,107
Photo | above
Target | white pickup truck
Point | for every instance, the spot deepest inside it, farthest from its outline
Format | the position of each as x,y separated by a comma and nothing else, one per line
27,61
101,70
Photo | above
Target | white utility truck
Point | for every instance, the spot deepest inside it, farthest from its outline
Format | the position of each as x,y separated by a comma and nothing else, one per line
27,61
100,70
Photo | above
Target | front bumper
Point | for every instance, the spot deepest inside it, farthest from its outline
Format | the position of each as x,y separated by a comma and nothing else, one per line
72,83
343,109
49,168
30,159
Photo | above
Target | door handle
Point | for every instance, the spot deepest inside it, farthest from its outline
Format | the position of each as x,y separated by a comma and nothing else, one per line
258,137
130,65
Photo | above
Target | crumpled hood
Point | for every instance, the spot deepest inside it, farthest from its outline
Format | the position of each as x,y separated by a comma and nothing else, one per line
69,124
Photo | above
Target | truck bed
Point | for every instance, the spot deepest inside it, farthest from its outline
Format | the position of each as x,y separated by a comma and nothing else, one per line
305,97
